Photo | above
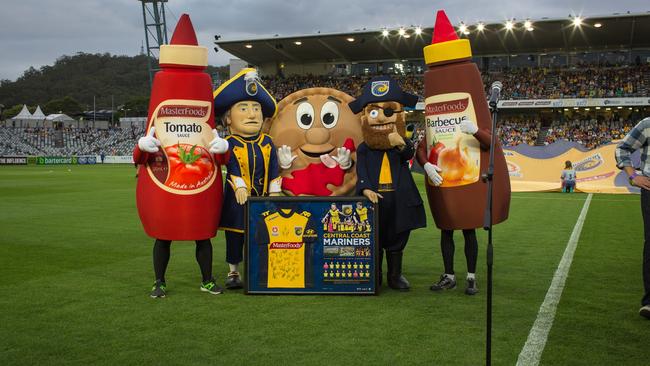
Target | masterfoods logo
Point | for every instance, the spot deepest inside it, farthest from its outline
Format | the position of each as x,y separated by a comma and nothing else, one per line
182,111
450,106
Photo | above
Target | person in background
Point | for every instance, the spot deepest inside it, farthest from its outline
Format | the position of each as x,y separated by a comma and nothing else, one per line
638,139
568,178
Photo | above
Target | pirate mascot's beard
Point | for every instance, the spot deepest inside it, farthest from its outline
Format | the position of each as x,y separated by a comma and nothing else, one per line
377,139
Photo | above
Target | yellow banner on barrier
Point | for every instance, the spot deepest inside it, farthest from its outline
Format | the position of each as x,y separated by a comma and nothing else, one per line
538,168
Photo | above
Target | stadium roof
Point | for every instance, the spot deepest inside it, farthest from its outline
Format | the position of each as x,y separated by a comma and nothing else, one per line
613,32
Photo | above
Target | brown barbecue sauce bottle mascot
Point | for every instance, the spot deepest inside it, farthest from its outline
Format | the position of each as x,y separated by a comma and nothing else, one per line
383,173
456,149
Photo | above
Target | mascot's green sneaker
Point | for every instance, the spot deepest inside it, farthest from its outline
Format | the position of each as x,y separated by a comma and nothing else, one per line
159,290
211,287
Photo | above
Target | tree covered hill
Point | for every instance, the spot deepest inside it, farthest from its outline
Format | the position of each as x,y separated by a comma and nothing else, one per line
73,81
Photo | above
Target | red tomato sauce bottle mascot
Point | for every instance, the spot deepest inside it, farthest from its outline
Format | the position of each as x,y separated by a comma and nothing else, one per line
456,150
179,192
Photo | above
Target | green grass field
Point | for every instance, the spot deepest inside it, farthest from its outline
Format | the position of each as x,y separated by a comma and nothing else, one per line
75,274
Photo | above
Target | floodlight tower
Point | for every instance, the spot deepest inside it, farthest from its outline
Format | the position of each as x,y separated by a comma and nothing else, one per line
155,31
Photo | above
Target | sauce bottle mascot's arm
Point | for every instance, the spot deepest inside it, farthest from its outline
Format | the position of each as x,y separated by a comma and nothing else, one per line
456,149
383,173
179,191
252,170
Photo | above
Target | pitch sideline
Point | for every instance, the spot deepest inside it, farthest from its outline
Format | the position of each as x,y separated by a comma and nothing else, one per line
531,354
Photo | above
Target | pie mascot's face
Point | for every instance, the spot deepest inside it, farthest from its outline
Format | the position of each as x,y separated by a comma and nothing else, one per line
315,123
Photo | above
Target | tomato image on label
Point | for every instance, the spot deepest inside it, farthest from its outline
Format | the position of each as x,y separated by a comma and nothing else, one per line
190,166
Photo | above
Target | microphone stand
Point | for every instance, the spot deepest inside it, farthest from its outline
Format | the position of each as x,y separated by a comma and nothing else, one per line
487,225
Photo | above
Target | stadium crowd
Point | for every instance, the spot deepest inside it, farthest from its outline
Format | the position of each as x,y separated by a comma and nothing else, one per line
582,81
515,132
590,133
71,141
574,82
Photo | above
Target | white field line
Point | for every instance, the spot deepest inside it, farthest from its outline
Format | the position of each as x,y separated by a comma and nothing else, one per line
570,199
531,354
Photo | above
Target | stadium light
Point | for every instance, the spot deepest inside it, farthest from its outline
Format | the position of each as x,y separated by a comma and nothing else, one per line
350,39
480,27
462,28
418,31
528,25
598,25
407,36
577,21
297,43
401,31
249,46
509,25
384,33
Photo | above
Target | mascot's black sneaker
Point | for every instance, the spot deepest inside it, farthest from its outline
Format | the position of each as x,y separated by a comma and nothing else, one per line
645,311
159,290
445,283
471,287
233,281
211,287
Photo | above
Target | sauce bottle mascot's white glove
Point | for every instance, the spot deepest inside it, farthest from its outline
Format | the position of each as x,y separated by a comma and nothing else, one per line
343,157
285,158
468,127
149,143
217,145
432,171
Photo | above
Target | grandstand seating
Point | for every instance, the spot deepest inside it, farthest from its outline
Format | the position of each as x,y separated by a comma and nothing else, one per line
519,83
83,141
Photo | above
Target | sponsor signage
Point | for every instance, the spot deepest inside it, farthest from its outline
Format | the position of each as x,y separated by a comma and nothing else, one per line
574,102
13,160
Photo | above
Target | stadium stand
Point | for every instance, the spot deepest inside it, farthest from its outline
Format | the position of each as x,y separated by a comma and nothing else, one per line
76,141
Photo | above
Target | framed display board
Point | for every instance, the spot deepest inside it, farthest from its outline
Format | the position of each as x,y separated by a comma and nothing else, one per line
310,245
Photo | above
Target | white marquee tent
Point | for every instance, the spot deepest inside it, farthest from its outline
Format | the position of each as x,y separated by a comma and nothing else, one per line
26,119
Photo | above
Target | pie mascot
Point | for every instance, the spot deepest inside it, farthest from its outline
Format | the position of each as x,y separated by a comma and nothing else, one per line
242,103
179,190
317,135
456,149
383,173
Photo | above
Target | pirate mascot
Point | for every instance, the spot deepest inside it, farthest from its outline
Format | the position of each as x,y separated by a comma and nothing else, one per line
383,173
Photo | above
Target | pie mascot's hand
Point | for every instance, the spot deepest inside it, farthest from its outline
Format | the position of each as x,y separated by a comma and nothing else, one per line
343,158
285,157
